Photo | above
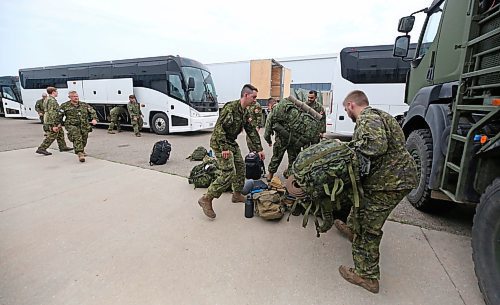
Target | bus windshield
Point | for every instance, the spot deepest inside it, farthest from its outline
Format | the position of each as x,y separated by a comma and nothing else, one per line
204,89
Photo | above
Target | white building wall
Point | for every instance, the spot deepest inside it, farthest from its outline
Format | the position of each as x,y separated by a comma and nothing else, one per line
229,78
311,69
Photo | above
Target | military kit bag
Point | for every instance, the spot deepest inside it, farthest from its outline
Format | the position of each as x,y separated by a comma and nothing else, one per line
321,174
268,204
160,153
198,154
253,166
202,175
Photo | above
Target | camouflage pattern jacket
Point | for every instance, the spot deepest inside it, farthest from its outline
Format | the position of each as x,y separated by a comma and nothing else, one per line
319,109
39,106
134,109
379,137
117,111
256,116
77,115
51,112
268,131
233,118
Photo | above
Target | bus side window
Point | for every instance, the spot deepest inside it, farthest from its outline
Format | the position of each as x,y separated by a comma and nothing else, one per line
174,85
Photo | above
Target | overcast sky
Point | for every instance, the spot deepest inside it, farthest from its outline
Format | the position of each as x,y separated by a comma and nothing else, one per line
53,32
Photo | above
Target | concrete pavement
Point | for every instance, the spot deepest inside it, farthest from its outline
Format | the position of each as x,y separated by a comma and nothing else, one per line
107,233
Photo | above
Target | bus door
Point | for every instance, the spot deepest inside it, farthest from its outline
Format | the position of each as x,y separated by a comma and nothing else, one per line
11,103
178,108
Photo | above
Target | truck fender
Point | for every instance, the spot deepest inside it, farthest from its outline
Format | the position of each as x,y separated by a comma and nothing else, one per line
438,121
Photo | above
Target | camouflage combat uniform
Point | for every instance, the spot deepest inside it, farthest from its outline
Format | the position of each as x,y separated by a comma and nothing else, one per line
51,119
39,109
76,122
255,112
280,145
233,118
393,174
115,114
134,110
319,109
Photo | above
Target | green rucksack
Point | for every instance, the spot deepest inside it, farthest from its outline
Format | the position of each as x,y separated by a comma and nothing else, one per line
293,124
324,172
198,154
205,173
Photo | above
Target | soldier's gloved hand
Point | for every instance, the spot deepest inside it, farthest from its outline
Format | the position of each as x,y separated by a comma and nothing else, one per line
262,155
93,122
226,154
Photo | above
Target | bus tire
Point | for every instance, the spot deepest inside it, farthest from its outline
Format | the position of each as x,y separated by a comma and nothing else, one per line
486,243
419,145
159,123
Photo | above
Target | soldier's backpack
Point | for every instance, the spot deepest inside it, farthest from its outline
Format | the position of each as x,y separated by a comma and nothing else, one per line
268,205
160,153
323,172
205,173
198,154
253,166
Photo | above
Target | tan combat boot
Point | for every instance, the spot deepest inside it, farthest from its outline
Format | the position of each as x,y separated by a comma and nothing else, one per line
349,275
237,197
344,229
81,157
205,203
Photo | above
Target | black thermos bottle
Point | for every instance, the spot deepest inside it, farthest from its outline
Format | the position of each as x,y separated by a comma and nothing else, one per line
249,206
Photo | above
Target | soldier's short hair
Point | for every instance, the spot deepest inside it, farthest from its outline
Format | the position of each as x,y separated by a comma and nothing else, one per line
314,92
51,89
271,100
44,94
72,92
249,89
358,97
132,96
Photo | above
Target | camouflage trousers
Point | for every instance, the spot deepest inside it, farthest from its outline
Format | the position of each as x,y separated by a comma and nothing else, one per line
51,136
137,124
366,223
279,148
115,122
250,145
78,135
232,173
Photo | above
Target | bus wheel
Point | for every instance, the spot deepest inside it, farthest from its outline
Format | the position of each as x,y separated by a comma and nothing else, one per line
419,145
486,243
159,124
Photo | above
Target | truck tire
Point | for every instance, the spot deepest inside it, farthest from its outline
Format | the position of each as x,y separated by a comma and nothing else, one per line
159,123
419,145
486,243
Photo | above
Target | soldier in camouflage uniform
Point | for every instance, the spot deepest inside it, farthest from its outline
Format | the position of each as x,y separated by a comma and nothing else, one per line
115,114
76,121
314,104
378,137
39,107
256,120
233,118
52,124
134,110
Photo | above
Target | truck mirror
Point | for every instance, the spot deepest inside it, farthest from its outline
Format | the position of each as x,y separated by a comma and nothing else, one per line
406,24
190,84
401,46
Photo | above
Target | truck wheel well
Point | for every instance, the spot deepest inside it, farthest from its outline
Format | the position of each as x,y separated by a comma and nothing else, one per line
414,124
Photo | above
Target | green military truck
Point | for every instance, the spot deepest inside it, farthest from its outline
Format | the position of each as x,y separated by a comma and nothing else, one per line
453,123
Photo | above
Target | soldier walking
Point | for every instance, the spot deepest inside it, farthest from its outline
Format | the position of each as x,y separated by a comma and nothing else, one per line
232,120
378,137
76,121
116,113
134,110
39,106
52,124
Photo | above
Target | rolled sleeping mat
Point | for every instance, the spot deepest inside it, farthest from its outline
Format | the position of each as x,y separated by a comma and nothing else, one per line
293,188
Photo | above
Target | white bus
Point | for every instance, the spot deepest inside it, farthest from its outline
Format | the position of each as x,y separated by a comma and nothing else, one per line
178,93
11,103
373,70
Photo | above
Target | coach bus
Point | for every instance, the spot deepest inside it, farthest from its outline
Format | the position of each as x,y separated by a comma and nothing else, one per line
177,94
11,104
374,70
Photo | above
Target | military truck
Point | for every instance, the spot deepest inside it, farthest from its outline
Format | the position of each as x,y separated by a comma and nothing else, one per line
453,122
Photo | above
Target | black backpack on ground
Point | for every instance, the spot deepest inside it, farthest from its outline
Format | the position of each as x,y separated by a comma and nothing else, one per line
253,166
160,153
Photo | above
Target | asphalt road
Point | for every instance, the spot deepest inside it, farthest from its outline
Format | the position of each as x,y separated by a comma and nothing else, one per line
127,149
